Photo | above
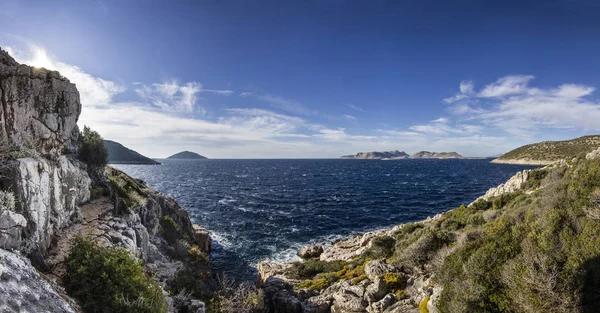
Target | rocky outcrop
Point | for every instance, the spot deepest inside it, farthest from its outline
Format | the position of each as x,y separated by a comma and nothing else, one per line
593,155
48,194
511,185
39,108
23,289
310,252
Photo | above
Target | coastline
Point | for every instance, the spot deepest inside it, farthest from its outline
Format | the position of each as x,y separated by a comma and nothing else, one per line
524,162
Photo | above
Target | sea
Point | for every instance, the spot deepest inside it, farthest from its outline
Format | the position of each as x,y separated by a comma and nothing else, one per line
265,210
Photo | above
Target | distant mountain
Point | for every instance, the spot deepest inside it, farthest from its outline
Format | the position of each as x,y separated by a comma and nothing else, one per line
378,155
548,152
187,155
119,154
436,155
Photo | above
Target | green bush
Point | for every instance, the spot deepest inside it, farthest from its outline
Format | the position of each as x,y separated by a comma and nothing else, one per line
310,268
171,231
110,280
381,247
91,149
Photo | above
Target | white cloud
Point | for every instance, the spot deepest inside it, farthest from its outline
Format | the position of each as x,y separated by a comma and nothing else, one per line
349,117
466,89
355,107
514,107
442,126
506,86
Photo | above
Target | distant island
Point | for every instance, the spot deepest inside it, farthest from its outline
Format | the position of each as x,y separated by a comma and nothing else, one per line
548,152
187,155
436,155
379,155
397,155
119,154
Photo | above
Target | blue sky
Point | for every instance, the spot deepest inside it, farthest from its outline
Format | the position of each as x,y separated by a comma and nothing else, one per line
271,79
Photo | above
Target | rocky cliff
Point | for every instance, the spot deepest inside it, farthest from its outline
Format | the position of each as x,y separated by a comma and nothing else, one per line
47,198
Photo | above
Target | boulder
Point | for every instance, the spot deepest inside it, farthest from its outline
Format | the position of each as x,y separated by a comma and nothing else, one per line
284,301
376,290
310,252
593,155
382,304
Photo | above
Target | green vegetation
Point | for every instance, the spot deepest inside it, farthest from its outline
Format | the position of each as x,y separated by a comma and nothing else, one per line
91,149
310,268
132,191
171,231
110,280
554,150
7,200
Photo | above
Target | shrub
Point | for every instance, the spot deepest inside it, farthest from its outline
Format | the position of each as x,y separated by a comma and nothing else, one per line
534,180
243,298
110,280
394,281
91,149
170,229
7,200
310,268
381,247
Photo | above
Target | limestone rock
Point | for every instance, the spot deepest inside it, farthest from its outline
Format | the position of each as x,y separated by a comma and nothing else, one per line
24,290
593,155
376,268
48,193
285,302
511,185
11,227
310,252
382,304
201,238
40,108
376,290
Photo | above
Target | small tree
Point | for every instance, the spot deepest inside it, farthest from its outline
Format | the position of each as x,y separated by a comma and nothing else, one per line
92,150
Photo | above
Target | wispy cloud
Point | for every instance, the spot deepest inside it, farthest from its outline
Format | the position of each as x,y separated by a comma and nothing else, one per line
349,117
442,126
285,104
355,107
511,105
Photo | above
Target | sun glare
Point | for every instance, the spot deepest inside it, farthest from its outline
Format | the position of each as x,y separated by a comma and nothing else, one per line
41,59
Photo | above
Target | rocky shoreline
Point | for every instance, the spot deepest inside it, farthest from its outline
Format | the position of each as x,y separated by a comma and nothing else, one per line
524,162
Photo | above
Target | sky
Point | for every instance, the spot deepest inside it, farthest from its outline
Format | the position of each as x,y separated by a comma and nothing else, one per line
322,78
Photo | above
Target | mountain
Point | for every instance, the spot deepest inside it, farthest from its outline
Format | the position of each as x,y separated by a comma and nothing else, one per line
378,155
187,155
548,152
119,154
436,155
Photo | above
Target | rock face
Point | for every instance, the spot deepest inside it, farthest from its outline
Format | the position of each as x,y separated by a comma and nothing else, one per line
49,193
378,155
511,185
39,108
593,155
24,290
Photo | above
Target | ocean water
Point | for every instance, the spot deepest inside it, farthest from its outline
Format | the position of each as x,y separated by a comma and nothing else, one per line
264,210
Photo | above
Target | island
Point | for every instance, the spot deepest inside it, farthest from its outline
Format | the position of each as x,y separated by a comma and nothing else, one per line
399,155
548,152
187,155
119,154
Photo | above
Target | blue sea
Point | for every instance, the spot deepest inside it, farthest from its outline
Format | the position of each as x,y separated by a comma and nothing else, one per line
264,210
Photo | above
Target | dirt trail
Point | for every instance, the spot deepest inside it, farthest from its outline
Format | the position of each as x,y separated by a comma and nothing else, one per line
93,213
